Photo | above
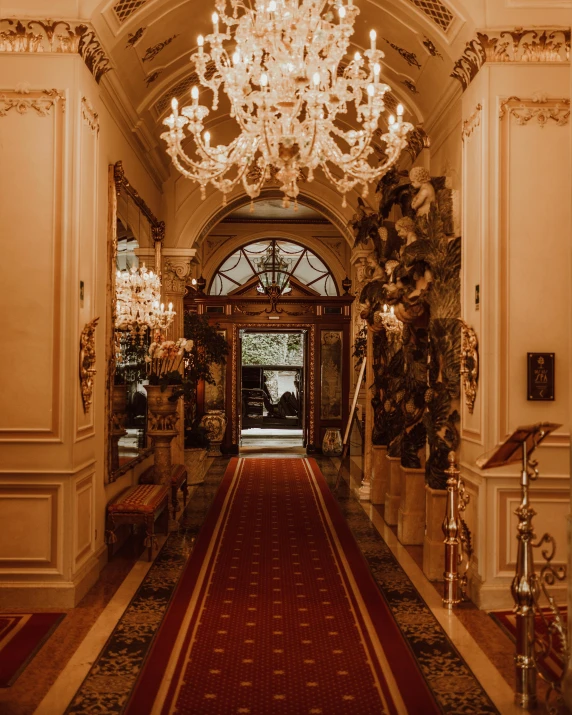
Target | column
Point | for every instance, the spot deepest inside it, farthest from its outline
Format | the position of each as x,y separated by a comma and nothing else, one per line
176,270
515,290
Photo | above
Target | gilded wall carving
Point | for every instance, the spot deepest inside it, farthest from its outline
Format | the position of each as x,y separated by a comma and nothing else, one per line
546,45
539,109
474,121
87,362
89,115
23,99
60,36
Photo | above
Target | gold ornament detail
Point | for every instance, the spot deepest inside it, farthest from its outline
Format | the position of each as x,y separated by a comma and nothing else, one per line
59,36
469,364
539,108
89,115
87,362
474,121
26,99
545,45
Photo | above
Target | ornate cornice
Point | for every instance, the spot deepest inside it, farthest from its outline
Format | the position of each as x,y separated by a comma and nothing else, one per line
22,100
545,45
474,121
538,108
55,36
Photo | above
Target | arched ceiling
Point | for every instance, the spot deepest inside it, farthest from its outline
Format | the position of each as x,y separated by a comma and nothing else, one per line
150,42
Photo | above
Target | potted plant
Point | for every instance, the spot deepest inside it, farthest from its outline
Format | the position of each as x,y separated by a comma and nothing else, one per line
163,363
209,348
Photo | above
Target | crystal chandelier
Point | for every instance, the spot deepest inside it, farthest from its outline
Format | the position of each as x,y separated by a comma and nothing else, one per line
294,96
137,303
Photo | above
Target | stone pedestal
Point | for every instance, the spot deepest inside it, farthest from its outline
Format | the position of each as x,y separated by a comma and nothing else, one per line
379,474
433,546
196,462
393,494
162,420
411,513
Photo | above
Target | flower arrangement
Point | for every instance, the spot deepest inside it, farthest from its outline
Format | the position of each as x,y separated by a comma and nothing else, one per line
164,360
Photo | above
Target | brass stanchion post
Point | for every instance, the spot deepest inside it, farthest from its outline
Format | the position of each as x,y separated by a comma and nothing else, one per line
451,530
525,591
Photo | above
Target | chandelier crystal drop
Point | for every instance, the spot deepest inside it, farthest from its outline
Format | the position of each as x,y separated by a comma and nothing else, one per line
138,306
295,96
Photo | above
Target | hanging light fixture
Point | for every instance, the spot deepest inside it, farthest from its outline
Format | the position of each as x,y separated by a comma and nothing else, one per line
274,271
138,306
282,64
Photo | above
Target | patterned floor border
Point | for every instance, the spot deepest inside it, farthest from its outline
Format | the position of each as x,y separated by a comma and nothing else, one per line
108,685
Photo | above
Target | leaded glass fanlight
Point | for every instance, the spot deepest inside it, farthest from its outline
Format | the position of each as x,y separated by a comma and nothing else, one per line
273,261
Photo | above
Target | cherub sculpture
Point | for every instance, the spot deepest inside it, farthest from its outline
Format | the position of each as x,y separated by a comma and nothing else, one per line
425,195
405,228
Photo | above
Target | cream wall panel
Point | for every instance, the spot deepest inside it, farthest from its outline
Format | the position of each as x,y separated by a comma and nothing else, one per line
86,201
29,518
534,281
84,514
552,508
31,155
474,217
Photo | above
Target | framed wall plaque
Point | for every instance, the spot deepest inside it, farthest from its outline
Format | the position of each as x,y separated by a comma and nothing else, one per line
540,376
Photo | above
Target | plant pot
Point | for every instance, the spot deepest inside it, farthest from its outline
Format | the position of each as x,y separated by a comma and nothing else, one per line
393,494
379,473
162,412
411,513
196,463
332,443
215,425
433,546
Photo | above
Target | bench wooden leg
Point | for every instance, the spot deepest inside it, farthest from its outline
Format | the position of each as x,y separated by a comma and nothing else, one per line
175,500
185,490
110,535
150,534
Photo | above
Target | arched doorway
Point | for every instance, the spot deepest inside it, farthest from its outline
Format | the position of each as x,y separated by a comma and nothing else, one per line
274,286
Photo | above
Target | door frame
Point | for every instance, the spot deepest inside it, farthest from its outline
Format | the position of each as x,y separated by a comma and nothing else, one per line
309,377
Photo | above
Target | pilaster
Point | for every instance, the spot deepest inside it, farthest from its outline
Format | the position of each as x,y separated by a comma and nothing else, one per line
515,291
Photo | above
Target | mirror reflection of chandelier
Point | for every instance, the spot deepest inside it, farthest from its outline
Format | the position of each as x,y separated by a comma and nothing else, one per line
286,75
138,306
274,271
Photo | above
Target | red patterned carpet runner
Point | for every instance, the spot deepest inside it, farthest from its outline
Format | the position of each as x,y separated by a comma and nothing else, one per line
21,637
277,612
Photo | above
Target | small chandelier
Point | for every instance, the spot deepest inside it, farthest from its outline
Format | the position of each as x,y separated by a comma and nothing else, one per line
285,74
137,303
274,272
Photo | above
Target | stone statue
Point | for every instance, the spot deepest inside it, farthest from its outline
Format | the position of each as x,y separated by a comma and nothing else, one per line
425,195
373,271
405,228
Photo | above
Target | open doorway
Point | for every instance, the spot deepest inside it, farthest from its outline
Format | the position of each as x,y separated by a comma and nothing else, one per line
272,389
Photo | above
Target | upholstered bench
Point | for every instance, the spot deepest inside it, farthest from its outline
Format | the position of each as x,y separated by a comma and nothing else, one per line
142,504
178,481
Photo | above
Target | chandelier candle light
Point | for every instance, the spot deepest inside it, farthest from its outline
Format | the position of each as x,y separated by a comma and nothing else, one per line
138,307
283,66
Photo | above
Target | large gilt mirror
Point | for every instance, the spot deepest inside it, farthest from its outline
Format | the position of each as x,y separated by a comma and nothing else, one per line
135,237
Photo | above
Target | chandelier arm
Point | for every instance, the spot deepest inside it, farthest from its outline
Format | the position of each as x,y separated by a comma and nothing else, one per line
342,185
286,93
